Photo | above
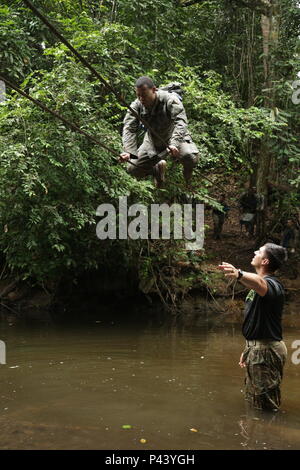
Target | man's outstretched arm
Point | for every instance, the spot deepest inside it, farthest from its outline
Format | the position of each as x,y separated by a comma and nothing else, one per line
250,280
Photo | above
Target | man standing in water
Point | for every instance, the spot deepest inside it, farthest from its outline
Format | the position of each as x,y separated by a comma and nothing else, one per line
165,114
265,352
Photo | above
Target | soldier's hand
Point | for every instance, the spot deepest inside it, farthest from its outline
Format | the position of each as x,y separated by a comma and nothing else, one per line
124,157
173,151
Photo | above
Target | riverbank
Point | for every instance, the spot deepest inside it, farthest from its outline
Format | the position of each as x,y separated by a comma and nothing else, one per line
206,292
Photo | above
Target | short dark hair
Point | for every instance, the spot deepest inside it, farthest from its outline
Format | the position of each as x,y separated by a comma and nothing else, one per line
144,81
276,255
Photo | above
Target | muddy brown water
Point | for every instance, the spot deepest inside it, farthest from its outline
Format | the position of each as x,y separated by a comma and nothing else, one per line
96,386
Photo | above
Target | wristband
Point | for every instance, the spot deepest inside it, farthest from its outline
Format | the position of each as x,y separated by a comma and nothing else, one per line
241,274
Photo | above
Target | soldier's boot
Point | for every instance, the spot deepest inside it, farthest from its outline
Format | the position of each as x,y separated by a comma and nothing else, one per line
159,173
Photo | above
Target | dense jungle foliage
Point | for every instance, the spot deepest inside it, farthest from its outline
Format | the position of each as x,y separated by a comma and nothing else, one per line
238,62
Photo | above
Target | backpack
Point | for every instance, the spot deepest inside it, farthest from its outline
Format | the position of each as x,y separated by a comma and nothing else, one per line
174,87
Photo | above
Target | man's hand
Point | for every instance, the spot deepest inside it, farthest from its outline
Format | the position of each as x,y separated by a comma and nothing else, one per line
124,157
242,363
229,270
173,151
250,280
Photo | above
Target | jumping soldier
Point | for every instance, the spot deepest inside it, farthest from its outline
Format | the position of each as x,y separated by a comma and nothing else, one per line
165,114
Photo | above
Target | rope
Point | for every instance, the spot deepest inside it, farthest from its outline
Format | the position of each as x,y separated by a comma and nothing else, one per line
70,124
92,69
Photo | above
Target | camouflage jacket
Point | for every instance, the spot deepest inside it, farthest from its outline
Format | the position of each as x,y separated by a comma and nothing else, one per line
167,118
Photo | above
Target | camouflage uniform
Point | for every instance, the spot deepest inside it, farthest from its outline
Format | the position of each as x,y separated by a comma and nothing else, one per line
168,119
264,361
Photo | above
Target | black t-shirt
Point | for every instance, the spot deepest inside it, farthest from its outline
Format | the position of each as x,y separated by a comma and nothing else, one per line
248,202
224,207
262,316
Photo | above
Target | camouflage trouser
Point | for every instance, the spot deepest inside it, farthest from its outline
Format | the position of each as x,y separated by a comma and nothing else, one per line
264,370
144,164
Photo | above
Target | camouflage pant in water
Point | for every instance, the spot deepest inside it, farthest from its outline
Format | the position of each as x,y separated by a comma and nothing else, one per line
264,369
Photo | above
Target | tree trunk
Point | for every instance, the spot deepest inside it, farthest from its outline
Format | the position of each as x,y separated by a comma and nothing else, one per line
270,31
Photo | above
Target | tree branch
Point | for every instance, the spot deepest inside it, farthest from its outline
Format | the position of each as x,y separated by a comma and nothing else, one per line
263,5
189,3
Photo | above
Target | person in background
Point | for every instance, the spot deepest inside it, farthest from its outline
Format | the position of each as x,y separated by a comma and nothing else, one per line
290,236
248,207
219,216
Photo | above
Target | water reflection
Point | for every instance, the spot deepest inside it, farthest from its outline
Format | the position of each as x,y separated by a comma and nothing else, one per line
175,387
267,430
